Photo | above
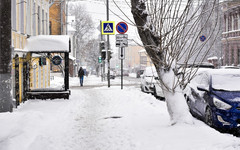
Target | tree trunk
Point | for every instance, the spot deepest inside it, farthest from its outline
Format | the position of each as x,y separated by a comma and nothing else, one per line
5,56
176,104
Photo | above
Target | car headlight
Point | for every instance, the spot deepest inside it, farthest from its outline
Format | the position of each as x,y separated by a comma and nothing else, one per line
220,104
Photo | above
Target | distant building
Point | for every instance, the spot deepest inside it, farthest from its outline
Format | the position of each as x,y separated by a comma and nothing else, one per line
231,33
57,17
71,23
57,22
136,58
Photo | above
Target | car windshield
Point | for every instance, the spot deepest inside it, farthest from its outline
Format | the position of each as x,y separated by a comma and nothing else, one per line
226,82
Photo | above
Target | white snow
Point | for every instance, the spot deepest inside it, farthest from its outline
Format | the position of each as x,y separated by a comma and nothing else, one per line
213,58
86,122
46,43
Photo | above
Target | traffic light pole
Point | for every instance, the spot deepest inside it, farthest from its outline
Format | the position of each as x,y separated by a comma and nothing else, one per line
121,67
108,58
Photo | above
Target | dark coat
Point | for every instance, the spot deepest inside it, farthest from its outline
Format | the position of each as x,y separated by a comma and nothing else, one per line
80,72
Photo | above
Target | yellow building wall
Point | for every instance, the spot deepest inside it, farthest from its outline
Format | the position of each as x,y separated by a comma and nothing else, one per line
44,74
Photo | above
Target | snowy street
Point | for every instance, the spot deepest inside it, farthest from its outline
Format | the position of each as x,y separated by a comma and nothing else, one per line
104,118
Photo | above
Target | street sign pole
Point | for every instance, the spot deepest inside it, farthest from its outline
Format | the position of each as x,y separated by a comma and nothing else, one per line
121,42
121,66
108,61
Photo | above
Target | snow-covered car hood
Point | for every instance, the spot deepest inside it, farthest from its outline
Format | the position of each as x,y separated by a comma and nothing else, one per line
150,79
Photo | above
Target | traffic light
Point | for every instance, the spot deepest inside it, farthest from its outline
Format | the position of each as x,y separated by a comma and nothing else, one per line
102,50
99,59
102,45
103,54
110,54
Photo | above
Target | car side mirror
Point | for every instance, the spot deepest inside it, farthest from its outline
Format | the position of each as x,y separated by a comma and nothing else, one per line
202,88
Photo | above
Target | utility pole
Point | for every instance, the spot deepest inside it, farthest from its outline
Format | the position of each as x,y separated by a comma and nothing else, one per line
108,47
5,56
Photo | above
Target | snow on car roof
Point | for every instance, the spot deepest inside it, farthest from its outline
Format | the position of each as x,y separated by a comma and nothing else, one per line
48,43
222,71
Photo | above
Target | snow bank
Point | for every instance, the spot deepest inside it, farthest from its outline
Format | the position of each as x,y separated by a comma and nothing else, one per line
105,119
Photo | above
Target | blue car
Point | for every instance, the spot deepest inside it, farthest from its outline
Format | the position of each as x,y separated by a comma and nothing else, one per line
214,96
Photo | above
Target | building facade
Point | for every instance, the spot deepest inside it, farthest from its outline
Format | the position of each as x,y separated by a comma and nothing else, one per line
57,17
57,22
136,58
231,33
29,18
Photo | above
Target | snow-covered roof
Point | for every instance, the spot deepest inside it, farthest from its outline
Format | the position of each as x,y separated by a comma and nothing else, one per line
19,52
71,23
48,43
141,51
71,57
213,58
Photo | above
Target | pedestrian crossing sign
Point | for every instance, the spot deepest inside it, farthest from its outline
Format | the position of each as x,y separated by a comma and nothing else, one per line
108,27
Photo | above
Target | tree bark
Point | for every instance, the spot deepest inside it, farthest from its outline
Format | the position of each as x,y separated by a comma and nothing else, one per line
5,56
150,41
176,104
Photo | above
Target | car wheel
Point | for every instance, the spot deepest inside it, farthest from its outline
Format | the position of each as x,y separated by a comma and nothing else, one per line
142,88
154,91
209,117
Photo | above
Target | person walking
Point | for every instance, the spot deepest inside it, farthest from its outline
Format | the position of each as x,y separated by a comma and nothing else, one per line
80,75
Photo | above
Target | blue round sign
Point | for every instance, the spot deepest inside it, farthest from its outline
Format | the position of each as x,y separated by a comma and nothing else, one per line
57,60
122,27
203,38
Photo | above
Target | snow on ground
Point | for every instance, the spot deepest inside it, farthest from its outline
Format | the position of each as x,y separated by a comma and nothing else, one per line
104,119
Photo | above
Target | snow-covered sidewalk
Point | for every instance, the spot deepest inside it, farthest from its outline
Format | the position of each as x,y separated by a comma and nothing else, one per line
104,119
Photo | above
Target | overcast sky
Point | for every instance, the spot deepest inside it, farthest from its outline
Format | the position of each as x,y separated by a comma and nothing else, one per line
97,9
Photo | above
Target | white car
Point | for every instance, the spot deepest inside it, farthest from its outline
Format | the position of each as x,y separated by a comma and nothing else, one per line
149,83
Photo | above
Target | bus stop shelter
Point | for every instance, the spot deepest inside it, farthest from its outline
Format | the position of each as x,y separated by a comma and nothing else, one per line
45,45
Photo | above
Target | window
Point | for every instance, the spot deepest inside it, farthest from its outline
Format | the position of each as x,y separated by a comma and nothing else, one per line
39,21
230,22
226,57
21,19
43,21
29,18
235,22
238,55
50,28
34,18
51,1
14,19
46,23
232,56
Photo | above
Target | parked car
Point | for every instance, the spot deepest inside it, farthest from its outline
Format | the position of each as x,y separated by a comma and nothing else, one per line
112,74
229,67
125,72
149,83
214,96
139,73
